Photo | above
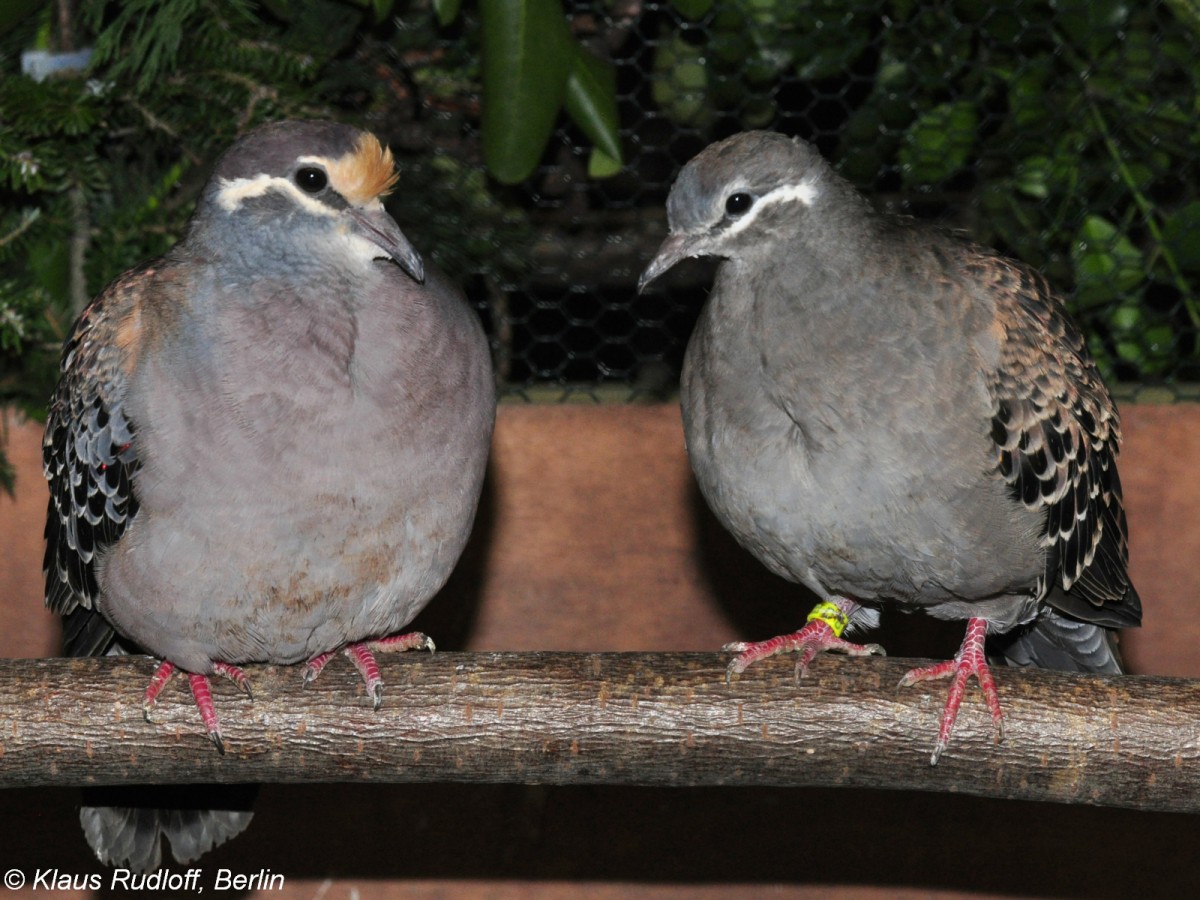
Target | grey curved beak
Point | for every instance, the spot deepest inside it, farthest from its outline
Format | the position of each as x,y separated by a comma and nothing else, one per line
675,249
381,230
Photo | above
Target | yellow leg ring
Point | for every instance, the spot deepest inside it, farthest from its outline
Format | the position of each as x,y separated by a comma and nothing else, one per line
831,615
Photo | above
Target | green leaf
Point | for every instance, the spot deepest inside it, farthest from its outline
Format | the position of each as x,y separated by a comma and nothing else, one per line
692,9
446,10
1181,234
1032,177
1187,12
680,84
601,165
822,39
1106,262
939,142
13,12
591,102
381,9
527,54
1092,25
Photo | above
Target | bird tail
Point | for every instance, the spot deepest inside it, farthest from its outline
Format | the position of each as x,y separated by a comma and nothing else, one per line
125,826
1055,641
130,836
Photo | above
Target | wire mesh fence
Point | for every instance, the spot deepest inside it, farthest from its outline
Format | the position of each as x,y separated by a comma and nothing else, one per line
1062,133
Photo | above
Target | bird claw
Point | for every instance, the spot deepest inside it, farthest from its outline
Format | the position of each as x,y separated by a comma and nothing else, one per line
970,660
362,655
201,693
313,667
813,639
236,675
397,643
215,737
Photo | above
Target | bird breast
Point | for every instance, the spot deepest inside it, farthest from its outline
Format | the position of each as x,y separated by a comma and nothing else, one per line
807,444
306,481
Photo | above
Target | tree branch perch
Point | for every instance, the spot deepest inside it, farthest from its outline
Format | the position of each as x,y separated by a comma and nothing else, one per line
609,718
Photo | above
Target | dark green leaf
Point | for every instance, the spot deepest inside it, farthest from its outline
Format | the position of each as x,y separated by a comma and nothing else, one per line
1091,25
1033,175
939,142
1181,234
601,165
591,102
1107,264
446,10
1187,12
13,12
527,54
680,85
692,9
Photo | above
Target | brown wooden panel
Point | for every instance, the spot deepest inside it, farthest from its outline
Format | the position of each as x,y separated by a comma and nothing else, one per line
591,537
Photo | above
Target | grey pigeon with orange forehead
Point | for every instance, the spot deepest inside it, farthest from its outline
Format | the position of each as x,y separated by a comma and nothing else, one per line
268,445
887,415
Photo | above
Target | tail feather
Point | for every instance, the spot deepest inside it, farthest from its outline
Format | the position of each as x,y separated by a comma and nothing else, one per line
1055,641
125,826
130,836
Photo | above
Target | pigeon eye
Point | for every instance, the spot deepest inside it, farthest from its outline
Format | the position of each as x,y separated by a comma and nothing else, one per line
738,203
312,180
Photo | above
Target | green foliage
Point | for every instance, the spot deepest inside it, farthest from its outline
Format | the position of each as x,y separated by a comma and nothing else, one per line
99,170
142,39
591,101
1067,126
531,67
526,60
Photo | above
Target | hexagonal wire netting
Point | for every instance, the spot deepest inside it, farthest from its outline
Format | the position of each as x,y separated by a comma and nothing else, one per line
1062,133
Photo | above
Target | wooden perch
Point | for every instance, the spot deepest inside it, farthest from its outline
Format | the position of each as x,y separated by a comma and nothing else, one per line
609,718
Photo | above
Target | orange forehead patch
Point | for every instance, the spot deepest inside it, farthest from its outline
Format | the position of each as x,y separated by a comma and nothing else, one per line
366,173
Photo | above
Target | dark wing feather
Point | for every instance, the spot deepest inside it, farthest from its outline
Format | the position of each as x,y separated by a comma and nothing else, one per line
1057,436
89,455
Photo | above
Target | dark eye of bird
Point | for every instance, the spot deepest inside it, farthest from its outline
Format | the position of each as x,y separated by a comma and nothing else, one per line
312,180
738,204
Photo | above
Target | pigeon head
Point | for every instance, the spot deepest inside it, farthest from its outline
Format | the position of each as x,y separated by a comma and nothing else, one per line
739,192
305,188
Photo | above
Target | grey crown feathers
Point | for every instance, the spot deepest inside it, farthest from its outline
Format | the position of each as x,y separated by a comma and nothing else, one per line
887,415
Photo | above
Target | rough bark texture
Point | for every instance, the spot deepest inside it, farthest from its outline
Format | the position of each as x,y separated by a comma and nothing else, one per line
617,719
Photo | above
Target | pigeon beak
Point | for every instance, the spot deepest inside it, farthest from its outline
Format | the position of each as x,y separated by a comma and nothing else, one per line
675,249
381,230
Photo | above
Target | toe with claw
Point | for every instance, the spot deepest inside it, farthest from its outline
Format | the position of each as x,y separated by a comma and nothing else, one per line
970,660
201,693
362,654
823,632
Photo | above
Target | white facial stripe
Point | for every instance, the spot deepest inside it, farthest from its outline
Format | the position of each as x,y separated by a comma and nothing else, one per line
805,192
235,190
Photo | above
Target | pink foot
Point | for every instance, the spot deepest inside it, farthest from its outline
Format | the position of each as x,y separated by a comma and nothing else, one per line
201,693
823,632
364,659
969,661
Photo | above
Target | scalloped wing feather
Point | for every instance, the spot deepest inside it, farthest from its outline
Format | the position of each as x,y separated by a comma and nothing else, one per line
89,450
1057,436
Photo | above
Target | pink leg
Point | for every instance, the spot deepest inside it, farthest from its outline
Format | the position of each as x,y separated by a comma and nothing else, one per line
969,661
313,667
823,632
158,681
364,659
234,674
208,715
201,693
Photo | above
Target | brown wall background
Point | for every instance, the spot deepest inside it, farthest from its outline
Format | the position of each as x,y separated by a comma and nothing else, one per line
591,536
